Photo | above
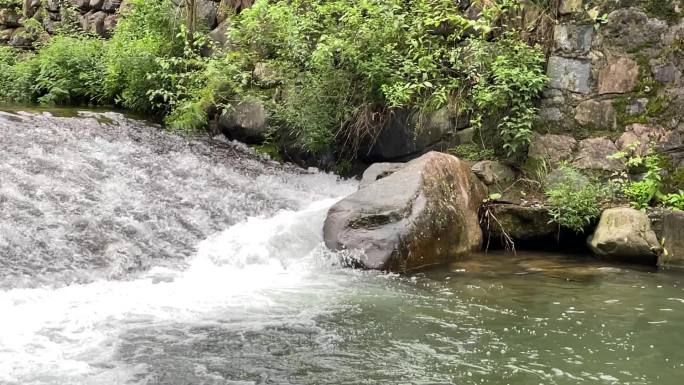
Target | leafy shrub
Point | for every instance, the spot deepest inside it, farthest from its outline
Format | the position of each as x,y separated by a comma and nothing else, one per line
643,190
146,33
574,204
345,56
69,70
674,200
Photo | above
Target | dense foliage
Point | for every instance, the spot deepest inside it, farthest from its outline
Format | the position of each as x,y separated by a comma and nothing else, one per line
339,68
641,182
575,202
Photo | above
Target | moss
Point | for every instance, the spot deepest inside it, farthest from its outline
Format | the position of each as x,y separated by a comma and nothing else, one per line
664,9
657,106
623,117
269,149
472,152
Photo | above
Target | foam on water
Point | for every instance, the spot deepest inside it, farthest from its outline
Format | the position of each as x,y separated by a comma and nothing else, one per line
96,220
63,335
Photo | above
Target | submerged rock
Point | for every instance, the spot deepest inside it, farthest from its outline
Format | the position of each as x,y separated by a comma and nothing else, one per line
422,214
625,234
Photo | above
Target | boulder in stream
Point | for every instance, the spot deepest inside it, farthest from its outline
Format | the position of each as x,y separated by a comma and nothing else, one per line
625,234
673,239
419,215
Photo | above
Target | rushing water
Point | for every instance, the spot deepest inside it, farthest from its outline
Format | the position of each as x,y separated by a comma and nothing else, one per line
129,256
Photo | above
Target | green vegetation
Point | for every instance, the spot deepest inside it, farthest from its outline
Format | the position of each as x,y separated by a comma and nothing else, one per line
642,184
340,68
575,203
472,152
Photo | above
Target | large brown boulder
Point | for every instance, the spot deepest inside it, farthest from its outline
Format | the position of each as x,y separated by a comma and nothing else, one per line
422,214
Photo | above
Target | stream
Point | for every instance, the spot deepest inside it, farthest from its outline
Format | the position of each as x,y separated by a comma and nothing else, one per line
129,255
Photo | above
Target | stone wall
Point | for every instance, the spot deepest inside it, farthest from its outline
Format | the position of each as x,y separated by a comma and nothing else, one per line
98,17
615,72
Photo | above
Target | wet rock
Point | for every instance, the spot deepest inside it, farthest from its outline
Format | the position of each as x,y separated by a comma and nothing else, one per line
625,234
593,154
492,172
553,148
569,74
598,114
377,171
620,76
420,215
521,223
245,123
673,239
572,38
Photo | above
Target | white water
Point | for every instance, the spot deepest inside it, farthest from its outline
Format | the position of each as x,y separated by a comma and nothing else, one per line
69,335
94,227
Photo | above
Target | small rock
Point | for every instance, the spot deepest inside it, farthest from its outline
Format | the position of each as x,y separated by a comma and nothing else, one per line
569,74
493,172
554,148
245,123
465,136
572,38
620,76
665,72
625,234
593,154
637,106
599,114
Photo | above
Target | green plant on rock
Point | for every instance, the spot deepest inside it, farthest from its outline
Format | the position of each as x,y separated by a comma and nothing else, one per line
506,89
575,203
674,200
643,190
